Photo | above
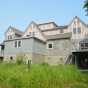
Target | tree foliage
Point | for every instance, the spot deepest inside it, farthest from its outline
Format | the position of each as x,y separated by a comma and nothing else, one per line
86,6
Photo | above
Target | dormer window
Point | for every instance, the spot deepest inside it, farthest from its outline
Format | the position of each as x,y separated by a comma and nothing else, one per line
78,30
9,37
74,30
30,34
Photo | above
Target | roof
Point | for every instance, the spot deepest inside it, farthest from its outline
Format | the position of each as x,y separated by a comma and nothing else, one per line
48,23
56,28
76,17
15,30
59,36
22,38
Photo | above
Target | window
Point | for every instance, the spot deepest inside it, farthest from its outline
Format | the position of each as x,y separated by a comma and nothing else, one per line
11,58
74,30
79,30
86,45
9,37
82,45
16,44
19,43
50,45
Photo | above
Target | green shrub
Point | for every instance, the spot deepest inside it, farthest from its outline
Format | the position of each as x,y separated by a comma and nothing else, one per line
20,58
45,64
41,76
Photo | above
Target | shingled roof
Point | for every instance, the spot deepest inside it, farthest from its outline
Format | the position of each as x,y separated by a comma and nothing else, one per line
59,36
15,30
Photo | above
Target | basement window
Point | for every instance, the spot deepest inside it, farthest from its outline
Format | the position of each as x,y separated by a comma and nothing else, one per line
11,58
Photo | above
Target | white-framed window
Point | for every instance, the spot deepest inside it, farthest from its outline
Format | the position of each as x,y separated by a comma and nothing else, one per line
50,45
78,30
74,30
17,43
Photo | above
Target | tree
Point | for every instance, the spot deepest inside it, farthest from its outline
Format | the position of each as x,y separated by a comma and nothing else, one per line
86,6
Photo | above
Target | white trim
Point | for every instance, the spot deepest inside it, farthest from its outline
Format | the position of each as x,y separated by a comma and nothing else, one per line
48,45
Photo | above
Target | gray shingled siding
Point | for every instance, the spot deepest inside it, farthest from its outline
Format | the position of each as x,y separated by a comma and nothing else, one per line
39,51
61,49
26,47
39,47
12,51
34,48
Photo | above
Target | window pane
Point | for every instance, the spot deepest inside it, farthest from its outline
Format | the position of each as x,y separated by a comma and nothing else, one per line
19,44
86,45
15,43
82,46
79,30
74,30
49,45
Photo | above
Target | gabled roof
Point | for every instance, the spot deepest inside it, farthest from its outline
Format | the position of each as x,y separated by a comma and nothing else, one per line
36,26
15,30
59,36
48,23
76,17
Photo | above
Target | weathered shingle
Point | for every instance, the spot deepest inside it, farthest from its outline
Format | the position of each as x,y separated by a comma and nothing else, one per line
59,36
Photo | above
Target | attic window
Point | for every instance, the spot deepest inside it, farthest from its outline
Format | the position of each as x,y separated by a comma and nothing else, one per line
9,37
74,30
79,30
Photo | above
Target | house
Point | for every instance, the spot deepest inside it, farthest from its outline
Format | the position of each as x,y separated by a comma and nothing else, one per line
45,42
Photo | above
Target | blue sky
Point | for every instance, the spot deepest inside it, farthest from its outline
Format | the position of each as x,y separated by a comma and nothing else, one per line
19,13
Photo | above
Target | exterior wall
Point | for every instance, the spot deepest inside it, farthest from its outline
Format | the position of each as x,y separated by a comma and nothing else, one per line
32,48
66,30
58,54
39,51
38,58
11,50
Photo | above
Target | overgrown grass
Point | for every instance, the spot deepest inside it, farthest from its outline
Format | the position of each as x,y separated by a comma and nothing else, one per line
41,76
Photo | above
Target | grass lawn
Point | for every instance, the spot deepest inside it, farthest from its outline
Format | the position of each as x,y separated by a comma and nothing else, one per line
41,76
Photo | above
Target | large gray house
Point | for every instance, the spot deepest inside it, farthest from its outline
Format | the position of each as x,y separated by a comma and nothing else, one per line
45,42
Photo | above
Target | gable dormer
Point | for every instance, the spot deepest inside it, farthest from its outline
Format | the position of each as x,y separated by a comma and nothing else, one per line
12,33
78,28
33,31
49,25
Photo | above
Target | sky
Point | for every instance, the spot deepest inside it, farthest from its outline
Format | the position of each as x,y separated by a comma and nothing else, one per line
19,13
